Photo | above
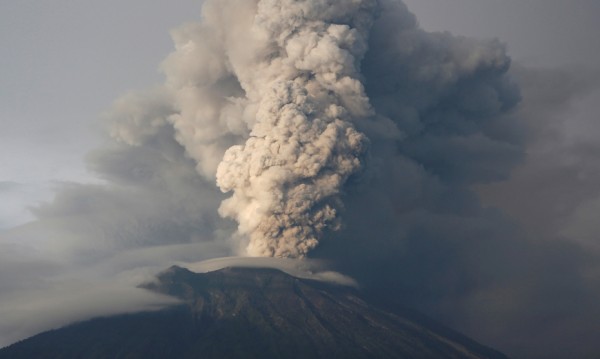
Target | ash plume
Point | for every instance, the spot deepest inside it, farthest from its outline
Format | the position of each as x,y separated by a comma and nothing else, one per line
297,66
272,102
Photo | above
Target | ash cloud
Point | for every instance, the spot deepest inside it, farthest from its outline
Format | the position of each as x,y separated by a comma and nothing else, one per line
282,82
290,96
341,131
503,277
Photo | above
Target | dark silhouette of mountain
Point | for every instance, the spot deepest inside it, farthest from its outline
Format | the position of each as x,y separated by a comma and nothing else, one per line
253,313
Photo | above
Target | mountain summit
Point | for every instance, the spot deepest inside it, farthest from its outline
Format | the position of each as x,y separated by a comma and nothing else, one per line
253,313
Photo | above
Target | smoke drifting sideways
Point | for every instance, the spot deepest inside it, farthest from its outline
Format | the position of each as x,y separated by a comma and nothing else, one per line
337,130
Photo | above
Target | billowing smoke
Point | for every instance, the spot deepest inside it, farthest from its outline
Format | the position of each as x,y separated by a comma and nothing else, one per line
271,101
295,143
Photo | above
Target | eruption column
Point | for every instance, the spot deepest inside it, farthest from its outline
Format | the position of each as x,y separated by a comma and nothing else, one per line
305,85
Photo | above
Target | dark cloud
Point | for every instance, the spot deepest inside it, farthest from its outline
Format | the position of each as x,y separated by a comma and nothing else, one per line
561,173
427,240
518,279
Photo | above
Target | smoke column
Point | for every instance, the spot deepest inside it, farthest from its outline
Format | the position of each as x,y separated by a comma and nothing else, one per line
281,103
297,63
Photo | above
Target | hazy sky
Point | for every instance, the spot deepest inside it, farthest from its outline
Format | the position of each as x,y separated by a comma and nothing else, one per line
65,62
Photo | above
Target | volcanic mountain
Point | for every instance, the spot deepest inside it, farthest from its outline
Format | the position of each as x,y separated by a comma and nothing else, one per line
253,313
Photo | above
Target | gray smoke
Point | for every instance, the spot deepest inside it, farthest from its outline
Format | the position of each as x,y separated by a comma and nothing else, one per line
271,102
281,82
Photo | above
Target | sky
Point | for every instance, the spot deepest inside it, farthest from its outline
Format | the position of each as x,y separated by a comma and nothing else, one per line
72,72
64,63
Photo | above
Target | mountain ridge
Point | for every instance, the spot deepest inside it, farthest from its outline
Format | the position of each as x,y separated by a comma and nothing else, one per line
252,313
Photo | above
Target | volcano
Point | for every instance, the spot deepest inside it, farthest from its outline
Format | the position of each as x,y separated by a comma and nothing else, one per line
253,313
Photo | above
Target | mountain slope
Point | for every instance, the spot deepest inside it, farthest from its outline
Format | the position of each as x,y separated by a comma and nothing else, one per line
252,313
